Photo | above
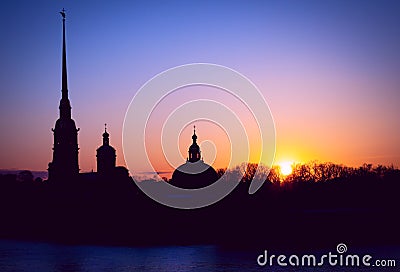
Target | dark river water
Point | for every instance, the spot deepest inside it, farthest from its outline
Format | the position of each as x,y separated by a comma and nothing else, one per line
30,256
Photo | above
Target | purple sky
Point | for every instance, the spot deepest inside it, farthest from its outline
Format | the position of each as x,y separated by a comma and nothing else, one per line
329,70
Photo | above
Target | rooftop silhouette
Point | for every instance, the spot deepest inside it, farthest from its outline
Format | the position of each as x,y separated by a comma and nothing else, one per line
195,173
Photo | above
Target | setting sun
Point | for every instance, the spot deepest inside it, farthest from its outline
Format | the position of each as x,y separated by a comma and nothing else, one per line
286,168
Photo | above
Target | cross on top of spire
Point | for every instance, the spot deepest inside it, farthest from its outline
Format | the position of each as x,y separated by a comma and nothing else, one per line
63,13
105,134
194,137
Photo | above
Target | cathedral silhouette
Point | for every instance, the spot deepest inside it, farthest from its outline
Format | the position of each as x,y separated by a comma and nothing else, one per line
65,149
65,166
195,173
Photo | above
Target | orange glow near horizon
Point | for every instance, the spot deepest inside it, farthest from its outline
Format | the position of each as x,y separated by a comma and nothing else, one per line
286,167
330,79
213,138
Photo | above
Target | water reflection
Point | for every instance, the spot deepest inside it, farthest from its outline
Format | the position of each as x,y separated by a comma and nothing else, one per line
43,257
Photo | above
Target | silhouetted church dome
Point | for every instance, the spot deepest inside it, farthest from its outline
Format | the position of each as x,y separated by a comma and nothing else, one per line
204,175
194,173
106,149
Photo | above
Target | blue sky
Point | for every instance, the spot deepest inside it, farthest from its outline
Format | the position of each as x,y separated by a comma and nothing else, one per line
328,69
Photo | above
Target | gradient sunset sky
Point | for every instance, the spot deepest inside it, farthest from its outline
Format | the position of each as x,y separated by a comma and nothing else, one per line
329,70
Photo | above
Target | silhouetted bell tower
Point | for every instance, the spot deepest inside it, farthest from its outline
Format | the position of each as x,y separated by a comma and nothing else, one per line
106,156
194,149
65,149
